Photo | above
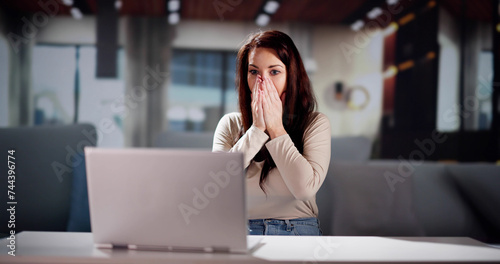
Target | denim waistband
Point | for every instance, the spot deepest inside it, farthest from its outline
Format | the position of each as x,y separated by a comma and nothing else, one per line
313,221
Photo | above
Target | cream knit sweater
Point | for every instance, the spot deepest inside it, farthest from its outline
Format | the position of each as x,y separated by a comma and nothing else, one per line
291,187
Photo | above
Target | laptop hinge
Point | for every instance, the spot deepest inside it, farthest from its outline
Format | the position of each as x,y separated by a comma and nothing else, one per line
215,249
104,246
119,246
220,249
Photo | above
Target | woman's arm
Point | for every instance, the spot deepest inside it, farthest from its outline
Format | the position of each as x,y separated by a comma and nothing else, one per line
304,174
226,134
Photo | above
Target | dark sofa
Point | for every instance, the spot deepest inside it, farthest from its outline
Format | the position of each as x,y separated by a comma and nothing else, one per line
427,199
50,183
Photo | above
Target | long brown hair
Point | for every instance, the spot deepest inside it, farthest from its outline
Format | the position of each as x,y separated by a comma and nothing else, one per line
300,103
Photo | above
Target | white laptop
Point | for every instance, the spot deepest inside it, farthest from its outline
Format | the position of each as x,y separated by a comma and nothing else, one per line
159,199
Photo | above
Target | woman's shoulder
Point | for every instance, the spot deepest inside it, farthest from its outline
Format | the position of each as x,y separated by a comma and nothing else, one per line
318,117
231,120
319,121
232,117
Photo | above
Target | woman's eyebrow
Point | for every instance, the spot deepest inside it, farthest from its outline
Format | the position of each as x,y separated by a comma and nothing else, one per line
270,66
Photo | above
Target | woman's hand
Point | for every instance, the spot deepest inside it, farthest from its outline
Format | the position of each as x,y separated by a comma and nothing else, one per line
257,110
273,109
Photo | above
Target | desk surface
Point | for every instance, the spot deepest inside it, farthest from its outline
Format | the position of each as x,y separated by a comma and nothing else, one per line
66,247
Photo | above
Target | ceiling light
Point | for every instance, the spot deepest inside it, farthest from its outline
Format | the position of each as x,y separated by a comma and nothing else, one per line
391,28
174,18
406,19
118,4
356,26
392,2
67,2
406,65
374,13
174,5
390,72
430,55
262,20
76,13
271,7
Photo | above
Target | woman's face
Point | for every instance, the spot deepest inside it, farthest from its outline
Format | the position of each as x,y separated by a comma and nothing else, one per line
265,62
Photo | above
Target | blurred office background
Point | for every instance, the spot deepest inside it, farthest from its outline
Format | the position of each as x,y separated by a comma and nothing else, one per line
391,71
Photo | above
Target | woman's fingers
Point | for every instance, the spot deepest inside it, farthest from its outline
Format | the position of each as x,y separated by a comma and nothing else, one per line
261,112
269,89
273,93
259,92
255,92
257,110
255,86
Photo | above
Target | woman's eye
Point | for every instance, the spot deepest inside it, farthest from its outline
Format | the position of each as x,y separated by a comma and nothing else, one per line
253,72
274,72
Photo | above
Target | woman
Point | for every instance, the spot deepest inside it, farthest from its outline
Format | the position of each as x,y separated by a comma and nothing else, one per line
286,144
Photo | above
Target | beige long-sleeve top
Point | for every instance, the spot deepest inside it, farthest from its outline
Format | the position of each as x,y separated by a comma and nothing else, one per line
291,187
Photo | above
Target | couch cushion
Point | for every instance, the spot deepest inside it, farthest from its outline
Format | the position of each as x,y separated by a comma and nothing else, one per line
478,185
440,207
351,148
44,166
356,199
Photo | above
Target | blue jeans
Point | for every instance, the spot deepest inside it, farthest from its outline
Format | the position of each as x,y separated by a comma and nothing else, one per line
293,227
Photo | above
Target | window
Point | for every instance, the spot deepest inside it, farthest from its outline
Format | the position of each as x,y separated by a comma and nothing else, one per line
484,90
53,84
4,82
59,78
202,89
99,98
231,96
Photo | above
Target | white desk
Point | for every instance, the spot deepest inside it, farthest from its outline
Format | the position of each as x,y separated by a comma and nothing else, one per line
62,247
